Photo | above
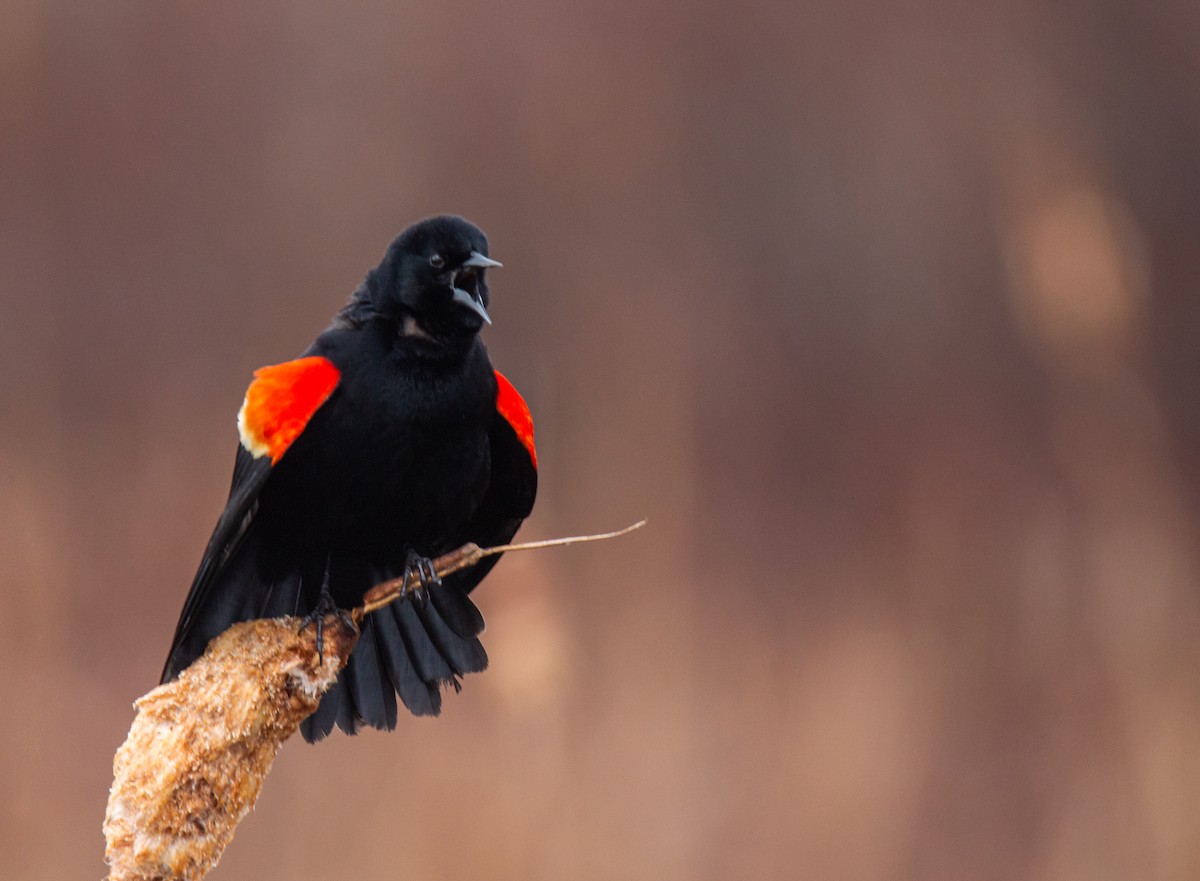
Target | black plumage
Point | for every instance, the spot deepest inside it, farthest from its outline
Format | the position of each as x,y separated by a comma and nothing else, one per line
409,454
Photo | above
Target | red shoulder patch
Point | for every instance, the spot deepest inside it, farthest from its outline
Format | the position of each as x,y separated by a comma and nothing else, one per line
515,411
281,400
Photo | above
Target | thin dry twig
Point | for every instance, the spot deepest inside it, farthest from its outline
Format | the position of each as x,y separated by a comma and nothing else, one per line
200,746
467,556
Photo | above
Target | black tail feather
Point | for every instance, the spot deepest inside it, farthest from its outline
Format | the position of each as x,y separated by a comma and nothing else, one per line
430,664
417,696
456,609
370,685
388,687
464,655
413,647
318,726
347,715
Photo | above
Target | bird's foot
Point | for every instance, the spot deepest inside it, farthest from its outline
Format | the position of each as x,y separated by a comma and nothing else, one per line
419,576
325,606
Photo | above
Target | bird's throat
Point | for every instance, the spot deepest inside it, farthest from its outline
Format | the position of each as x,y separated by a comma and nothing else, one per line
410,327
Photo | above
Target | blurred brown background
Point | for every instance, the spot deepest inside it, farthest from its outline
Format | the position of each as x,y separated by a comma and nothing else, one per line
884,314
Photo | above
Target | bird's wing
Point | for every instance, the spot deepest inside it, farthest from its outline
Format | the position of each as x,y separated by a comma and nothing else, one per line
278,405
513,486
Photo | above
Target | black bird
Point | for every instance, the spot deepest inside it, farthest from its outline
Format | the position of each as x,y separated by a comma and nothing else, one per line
390,441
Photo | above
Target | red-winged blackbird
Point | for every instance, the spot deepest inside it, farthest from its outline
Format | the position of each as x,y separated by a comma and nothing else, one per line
391,440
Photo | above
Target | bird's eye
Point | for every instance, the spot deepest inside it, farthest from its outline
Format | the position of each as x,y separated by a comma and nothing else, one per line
437,261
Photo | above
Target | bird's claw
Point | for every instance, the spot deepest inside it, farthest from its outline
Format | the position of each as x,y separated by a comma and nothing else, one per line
419,576
325,606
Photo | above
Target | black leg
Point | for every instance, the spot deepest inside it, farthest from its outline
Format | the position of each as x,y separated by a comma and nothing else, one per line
325,606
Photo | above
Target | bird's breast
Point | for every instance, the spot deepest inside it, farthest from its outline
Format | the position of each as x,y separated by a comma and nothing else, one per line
394,460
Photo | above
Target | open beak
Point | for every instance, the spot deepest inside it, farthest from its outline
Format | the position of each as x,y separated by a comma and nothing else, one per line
471,299
472,302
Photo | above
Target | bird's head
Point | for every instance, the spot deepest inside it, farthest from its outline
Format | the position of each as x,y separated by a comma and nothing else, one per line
432,280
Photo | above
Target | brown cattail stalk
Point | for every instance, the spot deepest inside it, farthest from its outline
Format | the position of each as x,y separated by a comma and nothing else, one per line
200,746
